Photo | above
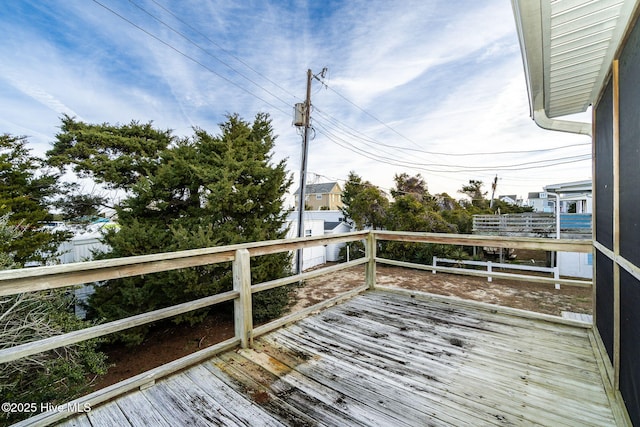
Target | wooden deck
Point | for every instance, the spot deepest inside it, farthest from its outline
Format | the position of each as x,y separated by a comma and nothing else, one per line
385,359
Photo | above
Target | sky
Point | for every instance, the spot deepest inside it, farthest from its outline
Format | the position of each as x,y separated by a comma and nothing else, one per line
434,87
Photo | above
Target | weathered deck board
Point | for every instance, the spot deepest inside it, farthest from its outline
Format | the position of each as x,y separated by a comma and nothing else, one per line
385,359
447,383
138,408
108,415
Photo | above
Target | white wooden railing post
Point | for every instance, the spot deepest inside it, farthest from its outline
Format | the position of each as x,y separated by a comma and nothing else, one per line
243,317
556,274
489,267
370,273
435,263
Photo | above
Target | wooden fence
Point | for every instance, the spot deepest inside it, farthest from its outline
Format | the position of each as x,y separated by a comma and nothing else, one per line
519,224
68,275
532,224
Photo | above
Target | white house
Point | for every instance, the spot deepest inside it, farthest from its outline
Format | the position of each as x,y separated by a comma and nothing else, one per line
511,199
81,248
575,197
315,255
335,227
319,223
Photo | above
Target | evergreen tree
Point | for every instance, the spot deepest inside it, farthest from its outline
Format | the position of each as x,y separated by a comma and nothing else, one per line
78,207
26,189
364,203
454,213
474,191
414,186
117,156
414,209
183,194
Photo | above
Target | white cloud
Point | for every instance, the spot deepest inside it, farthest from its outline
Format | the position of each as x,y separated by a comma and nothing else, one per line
447,75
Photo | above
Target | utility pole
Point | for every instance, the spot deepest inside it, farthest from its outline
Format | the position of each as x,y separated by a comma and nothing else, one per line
303,168
493,191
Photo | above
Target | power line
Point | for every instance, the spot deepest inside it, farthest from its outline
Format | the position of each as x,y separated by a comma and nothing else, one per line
369,114
226,51
436,152
336,139
206,51
416,150
460,168
189,57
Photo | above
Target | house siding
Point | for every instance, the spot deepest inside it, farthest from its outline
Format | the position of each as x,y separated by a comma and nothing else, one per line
628,239
322,196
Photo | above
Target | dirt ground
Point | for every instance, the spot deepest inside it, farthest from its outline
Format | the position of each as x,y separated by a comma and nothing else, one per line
510,293
168,342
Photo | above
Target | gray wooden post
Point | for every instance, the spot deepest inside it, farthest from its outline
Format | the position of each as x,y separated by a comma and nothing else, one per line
243,318
370,273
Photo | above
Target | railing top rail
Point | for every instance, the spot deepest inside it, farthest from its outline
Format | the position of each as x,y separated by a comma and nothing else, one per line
536,243
167,256
58,276
52,277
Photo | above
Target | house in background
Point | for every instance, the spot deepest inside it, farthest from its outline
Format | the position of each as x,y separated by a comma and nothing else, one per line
576,205
319,223
511,199
324,196
313,256
540,202
575,197
86,241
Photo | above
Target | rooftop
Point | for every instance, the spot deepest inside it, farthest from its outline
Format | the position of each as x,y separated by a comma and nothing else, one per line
321,188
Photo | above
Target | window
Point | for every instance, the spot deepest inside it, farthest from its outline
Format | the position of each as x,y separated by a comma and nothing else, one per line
307,233
318,196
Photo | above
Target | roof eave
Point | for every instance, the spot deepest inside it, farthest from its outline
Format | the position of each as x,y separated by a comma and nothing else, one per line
534,27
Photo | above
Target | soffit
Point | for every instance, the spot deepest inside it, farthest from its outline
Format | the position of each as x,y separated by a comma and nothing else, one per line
567,48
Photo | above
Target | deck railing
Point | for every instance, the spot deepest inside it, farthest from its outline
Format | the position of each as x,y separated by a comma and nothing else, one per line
68,275
532,224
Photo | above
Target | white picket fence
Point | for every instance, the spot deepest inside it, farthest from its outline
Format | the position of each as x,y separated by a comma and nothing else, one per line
491,265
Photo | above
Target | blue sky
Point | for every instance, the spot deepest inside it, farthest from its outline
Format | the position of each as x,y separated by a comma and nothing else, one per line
425,86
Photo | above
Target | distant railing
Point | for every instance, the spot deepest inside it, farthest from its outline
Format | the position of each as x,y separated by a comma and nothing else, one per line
489,266
62,276
531,224
533,243
575,222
